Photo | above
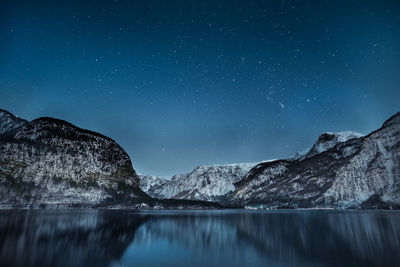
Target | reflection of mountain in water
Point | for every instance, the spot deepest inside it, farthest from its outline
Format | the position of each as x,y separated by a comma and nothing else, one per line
288,238
209,238
65,238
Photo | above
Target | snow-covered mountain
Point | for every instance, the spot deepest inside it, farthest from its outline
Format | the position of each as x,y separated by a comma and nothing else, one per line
340,171
52,162
209,183
154,186
213,183
328,140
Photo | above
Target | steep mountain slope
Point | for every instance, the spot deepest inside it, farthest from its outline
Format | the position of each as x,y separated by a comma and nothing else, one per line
52,162
328,140
360,172
209,183
154,186
9,122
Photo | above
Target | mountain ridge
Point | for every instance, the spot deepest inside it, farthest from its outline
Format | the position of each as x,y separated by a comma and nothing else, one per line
50,161
204,182
315,175
347,175
9,121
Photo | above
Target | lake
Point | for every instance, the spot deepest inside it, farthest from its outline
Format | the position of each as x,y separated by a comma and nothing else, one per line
199,238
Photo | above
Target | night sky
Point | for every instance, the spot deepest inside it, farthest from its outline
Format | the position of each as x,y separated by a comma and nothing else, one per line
183,83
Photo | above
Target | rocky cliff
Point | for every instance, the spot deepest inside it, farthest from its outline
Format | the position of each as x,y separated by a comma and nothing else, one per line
360,172
52,162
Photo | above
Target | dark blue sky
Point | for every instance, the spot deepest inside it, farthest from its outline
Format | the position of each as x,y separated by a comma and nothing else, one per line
183,83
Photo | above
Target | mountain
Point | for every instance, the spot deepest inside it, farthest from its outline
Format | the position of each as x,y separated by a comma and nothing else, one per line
51,162
350,172
208,183
9,122
154,186
328,140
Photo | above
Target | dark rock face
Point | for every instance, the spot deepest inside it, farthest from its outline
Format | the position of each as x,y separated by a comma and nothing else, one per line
52,162
359,172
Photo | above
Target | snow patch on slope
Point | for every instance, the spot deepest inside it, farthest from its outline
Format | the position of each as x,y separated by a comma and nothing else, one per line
328,140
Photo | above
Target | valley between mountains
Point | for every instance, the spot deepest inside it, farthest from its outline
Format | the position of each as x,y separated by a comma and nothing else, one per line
49,162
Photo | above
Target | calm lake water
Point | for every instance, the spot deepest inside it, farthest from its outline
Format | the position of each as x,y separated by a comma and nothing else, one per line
199,238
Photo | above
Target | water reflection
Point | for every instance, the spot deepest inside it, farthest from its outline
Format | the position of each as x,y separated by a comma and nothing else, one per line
64,238
199,238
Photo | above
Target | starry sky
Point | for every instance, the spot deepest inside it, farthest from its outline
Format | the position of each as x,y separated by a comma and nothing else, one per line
183,83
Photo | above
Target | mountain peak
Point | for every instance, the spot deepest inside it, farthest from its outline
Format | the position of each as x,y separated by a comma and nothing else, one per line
328,140
339,136
10,122
395,119
58,125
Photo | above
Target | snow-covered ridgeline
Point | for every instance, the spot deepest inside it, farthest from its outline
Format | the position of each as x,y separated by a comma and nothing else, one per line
341,170
203,183
347,171
326,141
